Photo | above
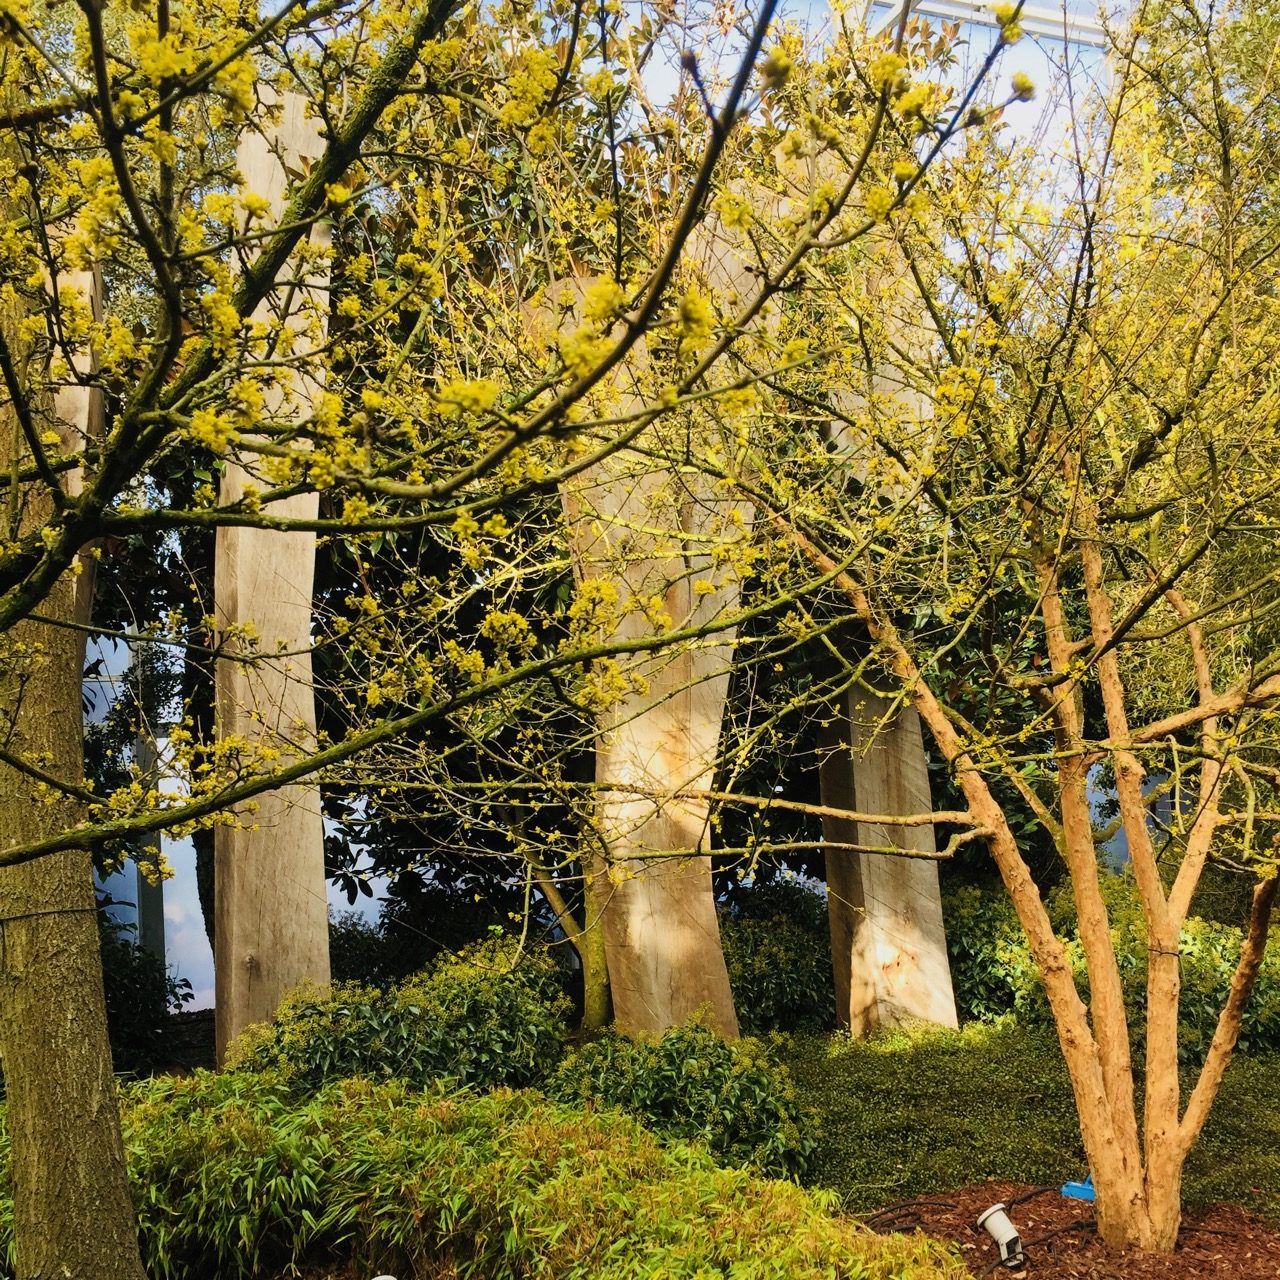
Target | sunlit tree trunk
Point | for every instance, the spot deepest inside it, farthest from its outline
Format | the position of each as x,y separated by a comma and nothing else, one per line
648,526
271,914
888,946
657,742
888,943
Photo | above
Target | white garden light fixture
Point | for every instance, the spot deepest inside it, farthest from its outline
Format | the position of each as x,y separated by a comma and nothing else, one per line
995,1221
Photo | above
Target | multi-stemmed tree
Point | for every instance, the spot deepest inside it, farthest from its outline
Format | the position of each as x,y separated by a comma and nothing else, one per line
1060,464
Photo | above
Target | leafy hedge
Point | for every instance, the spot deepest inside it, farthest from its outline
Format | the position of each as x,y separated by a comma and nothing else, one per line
491,1015
495,1016
777,947
234,1176
691,1084
992,970
994,973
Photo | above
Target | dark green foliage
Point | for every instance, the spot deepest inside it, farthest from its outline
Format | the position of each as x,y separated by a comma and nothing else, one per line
777,946
994,973
423,918
235,1177
420,920
140,994
357,950
991,966
911,1113
691,1084
785,898
492,1015
780,974
923,1111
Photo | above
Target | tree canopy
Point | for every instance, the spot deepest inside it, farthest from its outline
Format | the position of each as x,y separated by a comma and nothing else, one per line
807,363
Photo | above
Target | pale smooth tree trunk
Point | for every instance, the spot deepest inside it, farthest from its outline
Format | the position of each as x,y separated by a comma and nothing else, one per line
649,528
888,942
888,945
270,906
73,1216
656,747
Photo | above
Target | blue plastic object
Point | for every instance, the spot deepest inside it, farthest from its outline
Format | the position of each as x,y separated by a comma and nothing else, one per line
1079,1190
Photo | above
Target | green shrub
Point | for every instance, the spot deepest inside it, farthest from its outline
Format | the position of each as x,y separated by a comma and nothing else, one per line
689,1083
777,947
994,974
235,1177
1208,954
780,975
992,970
489,1016
790,899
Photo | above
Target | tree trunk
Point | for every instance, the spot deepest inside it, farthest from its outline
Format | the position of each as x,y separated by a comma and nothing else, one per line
72,1211
592,951
643,524
73,1216
657,748
888,945
270,905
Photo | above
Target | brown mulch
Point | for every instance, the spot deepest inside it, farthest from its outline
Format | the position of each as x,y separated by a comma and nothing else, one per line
1058,1237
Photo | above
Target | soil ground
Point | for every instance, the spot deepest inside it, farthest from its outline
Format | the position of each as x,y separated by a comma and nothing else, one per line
1219,1243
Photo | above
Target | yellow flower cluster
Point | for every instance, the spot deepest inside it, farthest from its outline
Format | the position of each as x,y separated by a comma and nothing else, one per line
604,685
583,349
735,211
885,70
509,633
879,201
466,662
1006,15
475,396
696,321
531,83
593,613
603,300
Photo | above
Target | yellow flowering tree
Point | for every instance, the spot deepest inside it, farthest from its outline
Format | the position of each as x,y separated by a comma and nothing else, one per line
1050,504
469,161
658,568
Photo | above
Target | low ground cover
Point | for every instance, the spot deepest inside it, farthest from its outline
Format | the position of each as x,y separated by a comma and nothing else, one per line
922,1111
438,1163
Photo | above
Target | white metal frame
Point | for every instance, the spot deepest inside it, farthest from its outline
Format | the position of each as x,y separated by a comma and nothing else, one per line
1036,20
